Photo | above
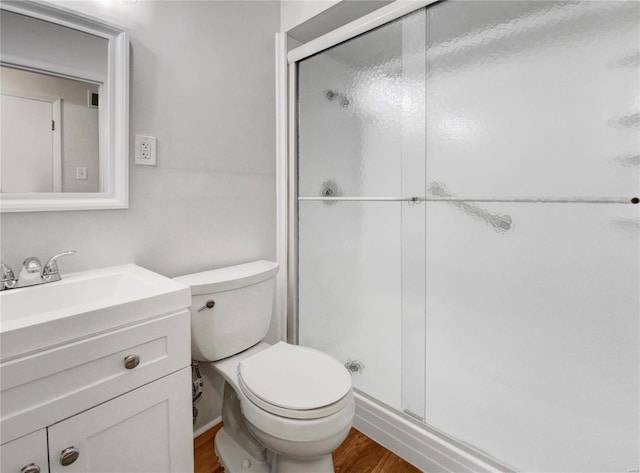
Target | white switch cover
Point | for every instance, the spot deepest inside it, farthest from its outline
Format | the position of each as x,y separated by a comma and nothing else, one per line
81,173
145,149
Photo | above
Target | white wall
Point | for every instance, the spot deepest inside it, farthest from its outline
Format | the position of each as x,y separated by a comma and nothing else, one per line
295,12
202,82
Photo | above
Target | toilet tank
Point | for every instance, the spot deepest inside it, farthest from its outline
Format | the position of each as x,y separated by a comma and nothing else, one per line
240,314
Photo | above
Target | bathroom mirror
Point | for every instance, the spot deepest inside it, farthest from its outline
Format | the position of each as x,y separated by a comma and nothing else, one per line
64,86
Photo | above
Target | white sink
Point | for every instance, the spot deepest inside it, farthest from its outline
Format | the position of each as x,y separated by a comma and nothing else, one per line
81,304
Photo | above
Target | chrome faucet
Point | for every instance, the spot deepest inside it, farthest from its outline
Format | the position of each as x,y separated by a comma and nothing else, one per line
7,278
34,273
50,271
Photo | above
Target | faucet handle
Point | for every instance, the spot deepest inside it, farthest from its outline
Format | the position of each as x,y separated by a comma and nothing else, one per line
7,277
50,270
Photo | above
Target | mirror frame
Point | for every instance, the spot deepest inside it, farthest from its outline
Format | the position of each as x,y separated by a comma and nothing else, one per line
114,136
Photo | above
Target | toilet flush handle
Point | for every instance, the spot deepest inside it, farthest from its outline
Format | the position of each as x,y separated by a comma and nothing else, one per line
208,305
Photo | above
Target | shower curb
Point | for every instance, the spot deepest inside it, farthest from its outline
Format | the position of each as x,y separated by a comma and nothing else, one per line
420,446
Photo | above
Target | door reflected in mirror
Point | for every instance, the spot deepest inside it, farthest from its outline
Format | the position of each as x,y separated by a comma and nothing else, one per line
50,133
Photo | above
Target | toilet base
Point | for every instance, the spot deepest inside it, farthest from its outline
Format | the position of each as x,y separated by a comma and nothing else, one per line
240,444
234,458
283,464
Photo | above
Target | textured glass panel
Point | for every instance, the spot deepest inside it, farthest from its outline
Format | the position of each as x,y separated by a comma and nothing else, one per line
359,104
534,99
532,347
350,290
532,333
355,280
361,123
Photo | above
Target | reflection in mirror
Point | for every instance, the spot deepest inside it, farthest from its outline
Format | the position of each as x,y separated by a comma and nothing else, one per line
49,128
64,91
51,79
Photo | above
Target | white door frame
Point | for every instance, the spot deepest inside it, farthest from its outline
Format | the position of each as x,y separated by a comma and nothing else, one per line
56,109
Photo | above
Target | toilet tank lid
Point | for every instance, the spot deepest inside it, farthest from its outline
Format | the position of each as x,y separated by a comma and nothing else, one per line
231,277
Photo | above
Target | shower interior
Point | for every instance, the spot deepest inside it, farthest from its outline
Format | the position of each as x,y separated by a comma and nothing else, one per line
466,240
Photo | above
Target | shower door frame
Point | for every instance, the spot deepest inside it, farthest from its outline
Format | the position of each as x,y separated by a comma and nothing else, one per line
417,442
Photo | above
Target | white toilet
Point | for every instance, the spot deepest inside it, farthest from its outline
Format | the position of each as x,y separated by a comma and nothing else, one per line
286,408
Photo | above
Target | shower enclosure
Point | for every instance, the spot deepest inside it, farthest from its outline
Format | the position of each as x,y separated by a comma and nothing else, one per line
466,239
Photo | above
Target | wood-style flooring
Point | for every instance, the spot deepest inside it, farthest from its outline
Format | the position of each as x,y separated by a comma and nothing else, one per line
204,457
358,454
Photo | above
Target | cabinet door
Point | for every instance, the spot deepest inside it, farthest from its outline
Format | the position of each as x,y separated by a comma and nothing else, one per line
27,454
146,430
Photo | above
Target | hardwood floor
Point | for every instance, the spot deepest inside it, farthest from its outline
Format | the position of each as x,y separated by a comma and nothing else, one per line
358,454
204,457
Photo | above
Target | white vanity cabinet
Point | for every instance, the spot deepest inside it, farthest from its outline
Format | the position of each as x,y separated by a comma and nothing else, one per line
141,431
27,454
117,401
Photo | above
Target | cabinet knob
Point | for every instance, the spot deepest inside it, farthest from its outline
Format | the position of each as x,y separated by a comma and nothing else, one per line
131,361
69,455
30,468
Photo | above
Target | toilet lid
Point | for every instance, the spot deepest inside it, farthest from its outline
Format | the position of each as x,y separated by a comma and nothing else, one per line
294,381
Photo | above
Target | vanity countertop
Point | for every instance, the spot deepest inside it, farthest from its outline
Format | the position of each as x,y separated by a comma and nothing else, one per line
82,304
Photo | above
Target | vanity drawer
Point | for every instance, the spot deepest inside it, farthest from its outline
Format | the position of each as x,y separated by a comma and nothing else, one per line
49,386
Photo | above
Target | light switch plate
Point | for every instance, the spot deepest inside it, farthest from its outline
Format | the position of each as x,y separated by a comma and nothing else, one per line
145,150
81,173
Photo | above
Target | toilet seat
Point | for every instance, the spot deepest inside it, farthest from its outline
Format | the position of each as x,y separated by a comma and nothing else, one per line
279,428
295,382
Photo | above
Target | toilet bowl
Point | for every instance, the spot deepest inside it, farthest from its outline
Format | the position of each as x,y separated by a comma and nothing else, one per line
296,419
286,408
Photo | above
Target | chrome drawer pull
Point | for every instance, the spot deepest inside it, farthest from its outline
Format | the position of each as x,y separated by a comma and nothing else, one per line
30,468
69,455
131,361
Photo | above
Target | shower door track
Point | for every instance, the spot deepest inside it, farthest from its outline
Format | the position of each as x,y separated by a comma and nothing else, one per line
377,18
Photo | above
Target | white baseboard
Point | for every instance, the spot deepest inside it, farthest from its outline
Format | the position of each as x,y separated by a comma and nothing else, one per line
422,447
419,445
207,426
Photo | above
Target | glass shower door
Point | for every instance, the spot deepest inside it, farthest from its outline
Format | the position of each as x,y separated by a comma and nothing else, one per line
533,265
502,309
361,241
